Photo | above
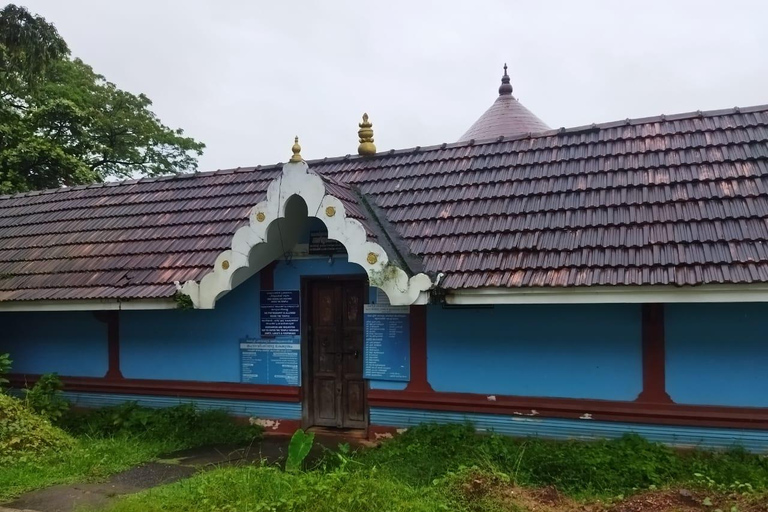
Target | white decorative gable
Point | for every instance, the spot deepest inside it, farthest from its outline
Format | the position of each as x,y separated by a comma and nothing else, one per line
249,244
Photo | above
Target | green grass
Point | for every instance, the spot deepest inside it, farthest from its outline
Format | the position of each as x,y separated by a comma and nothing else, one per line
428,468
596,469
113,439
433,468
89,460
270,489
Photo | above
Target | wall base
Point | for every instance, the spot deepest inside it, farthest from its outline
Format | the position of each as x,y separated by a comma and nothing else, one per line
388,420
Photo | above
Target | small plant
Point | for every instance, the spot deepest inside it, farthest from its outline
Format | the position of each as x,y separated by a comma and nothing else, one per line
183,301
298,449
5,369
45,397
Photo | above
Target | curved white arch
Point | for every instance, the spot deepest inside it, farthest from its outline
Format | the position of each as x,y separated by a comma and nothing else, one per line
297,179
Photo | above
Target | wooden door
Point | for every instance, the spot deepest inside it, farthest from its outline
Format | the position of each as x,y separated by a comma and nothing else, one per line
338,394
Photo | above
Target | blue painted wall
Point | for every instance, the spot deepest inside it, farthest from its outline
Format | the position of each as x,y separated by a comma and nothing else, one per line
571,351
288,274
717,354
198,345
70,343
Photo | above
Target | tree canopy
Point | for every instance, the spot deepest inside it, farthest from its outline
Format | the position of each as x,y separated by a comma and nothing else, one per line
62,124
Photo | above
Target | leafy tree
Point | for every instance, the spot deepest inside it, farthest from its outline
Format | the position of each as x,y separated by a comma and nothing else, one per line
61,123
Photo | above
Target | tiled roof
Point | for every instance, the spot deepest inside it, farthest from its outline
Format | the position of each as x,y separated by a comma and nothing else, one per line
680,200
507,117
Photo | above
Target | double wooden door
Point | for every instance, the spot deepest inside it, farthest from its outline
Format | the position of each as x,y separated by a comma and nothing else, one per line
335,339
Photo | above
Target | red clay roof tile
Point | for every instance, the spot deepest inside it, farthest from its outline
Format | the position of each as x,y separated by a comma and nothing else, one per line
678,200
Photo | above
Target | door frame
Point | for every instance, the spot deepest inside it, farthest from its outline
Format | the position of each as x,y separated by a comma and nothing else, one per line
307,395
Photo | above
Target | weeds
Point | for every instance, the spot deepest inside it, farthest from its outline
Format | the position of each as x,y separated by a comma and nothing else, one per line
45,397
106,441
5,369
580,469
184,426
269,489
88,460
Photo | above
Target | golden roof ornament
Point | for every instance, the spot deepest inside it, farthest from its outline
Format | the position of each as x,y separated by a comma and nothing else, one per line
366,147
296,157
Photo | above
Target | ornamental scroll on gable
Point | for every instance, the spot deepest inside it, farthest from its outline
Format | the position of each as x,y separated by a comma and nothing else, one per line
243,259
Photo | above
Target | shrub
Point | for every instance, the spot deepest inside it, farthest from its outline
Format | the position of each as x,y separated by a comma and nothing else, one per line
25,435
45,397
182,425
5,369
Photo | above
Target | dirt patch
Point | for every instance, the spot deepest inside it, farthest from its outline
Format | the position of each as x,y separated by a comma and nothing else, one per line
684,500
483,492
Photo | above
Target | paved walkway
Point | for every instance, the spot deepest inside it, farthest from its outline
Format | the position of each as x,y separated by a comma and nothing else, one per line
168,469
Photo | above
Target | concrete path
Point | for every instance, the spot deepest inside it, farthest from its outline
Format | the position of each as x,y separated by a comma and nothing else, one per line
168,469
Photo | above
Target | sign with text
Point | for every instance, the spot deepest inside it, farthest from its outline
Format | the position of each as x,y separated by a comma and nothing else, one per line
271,361
319,243
387,352
280,313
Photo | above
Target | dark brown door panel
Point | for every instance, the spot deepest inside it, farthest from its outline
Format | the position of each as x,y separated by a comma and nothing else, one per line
335,337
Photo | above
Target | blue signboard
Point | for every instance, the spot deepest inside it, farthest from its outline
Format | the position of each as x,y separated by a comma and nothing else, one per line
387,352
270,361
280,313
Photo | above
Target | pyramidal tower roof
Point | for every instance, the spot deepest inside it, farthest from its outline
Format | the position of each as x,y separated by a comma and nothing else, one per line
506,117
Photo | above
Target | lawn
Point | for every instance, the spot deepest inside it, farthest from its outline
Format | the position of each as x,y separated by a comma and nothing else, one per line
95,444
428,468
433,468
90,459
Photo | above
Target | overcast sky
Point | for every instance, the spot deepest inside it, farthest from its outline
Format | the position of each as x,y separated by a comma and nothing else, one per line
246,76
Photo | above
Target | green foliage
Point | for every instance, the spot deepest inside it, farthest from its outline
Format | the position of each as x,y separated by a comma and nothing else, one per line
183,301
577,468
28,44
183,426
425,453
464,472
298,449
5,369
269,489
45,397
61,123
89,459
26,436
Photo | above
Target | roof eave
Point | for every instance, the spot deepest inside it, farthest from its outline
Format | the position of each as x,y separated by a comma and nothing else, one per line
87,305
747,292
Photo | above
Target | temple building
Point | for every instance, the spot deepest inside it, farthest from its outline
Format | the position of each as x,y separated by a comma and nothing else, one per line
564,283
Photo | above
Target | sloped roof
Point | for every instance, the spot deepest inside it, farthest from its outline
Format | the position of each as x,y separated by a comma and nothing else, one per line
506,117
678,200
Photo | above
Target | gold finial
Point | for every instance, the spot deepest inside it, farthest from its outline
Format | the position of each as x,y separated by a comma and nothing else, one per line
296,151
366,147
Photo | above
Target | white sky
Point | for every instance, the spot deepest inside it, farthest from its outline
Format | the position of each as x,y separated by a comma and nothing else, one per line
246,76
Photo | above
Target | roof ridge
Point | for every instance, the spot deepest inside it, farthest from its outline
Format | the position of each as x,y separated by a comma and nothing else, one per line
403,151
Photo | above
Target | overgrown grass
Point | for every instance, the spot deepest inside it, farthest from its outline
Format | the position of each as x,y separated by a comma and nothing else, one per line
90,459
270,489
433,468
595,469
110,440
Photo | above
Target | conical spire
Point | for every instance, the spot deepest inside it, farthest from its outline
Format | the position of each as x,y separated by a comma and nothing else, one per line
507,117
506,87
